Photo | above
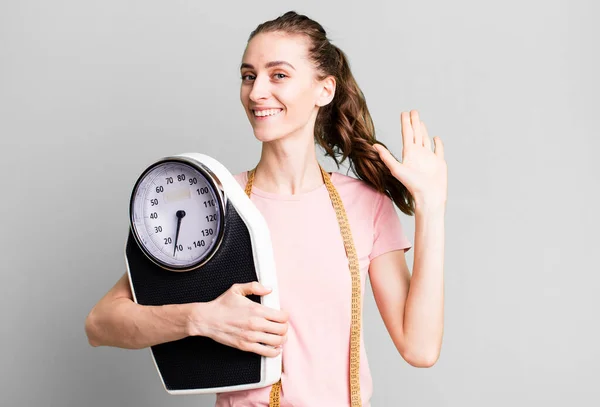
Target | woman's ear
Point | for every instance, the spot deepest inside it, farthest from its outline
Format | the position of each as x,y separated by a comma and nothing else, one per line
327,91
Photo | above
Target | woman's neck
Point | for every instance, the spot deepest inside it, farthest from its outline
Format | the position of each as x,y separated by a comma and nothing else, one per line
288,167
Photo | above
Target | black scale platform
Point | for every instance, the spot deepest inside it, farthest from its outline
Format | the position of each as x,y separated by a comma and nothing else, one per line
199,362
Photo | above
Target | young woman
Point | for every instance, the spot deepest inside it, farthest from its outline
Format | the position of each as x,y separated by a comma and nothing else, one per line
329,231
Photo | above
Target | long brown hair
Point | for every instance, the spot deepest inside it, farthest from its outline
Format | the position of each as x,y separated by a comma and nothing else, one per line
344,127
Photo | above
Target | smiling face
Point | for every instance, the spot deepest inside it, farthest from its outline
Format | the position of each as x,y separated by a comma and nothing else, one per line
280,91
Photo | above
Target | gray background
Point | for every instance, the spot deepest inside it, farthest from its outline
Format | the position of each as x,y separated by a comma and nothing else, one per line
92,92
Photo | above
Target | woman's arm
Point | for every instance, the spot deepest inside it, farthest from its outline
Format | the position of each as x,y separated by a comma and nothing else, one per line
231,319
412,308
116,320
415,315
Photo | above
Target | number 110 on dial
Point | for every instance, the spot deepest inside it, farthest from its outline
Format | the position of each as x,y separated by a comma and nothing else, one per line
176,215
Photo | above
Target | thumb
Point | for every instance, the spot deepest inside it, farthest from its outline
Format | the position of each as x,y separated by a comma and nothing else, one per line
396,168
253,287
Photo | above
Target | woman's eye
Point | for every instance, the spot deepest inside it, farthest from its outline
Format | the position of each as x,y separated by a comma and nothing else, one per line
249,77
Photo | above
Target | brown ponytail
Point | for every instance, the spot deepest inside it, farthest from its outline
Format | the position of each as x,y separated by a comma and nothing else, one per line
344,127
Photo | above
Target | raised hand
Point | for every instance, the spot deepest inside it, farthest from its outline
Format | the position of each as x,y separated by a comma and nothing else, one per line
422,171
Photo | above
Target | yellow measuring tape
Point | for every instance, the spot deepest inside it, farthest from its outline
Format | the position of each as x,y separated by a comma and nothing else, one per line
355,400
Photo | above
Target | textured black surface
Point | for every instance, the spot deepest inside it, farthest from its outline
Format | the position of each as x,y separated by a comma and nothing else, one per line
199,362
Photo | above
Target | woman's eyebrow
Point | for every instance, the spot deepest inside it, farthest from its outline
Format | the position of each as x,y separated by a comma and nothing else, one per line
268,65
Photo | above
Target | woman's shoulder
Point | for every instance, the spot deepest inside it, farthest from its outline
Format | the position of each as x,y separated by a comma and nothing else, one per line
353,187
359,194
241,178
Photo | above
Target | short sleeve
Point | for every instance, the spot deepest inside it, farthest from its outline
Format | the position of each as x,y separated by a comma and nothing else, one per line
388,234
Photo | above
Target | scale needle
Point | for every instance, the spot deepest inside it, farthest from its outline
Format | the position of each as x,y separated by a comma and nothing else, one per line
180,214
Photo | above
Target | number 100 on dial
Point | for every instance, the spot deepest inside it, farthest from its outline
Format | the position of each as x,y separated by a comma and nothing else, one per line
176,214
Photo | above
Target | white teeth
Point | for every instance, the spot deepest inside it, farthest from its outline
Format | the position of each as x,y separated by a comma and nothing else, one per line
269,112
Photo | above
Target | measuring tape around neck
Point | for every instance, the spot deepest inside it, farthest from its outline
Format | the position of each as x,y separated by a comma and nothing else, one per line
346,233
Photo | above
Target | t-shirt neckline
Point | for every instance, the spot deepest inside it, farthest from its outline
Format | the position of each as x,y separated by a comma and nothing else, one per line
288,197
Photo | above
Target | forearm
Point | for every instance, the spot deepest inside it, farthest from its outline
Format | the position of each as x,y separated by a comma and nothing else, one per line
126,324
424,310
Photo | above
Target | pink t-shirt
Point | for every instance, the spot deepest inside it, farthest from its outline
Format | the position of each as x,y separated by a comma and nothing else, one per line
315,287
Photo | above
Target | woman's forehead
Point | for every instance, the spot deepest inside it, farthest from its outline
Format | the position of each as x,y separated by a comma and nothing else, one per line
268,47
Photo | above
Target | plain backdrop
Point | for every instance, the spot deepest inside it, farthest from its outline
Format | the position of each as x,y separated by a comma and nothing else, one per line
93,92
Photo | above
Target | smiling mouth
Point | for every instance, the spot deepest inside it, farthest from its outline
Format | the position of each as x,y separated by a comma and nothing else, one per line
266,113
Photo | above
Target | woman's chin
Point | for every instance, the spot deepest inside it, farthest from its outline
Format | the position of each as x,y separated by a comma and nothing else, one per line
266,136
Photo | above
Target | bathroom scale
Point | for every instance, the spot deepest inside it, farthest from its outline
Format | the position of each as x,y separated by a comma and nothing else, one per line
193,233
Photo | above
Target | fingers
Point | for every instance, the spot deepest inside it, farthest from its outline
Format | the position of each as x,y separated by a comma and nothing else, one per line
426,140
268,313
263,350
439,147
253,287
415,122
387,158
265,338
275,315
407,133
264,325
263,343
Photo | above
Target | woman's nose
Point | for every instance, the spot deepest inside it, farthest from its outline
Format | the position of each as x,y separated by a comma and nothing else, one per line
260,89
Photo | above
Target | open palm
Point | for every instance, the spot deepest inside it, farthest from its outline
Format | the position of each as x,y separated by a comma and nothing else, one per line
424,172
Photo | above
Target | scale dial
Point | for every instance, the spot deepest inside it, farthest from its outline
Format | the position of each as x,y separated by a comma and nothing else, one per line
177,214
